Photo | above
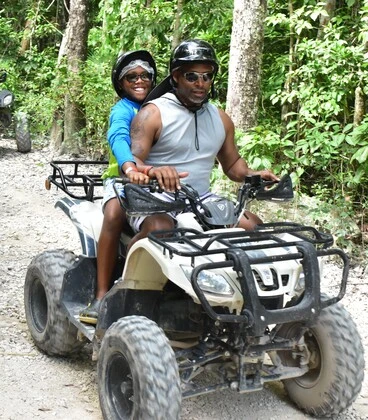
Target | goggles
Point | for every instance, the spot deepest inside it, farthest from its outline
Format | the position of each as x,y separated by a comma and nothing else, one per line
134,77
193,76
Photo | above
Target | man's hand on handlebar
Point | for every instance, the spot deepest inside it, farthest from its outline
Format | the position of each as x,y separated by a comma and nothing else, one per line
167,177
266,175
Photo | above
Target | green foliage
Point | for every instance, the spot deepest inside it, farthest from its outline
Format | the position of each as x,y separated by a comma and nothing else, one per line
98,97
263,148
315,83
9,40
38,83
132,25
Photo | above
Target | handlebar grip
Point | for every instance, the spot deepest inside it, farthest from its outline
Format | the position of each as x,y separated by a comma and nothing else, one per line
152,184
125,180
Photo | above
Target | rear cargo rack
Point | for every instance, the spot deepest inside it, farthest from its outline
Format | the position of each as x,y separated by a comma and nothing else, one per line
77,177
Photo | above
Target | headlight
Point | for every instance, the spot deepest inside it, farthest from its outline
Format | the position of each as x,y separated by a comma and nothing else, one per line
210,281
8,99
300,284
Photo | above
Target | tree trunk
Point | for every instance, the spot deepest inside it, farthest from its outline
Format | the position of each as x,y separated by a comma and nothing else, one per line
360,97
56,133
286,106
29,27
359,106
177,33
330,6
25,44
74,48
245,62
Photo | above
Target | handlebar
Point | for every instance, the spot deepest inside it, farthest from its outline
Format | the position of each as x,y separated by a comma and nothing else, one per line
254,186
140,200
281,190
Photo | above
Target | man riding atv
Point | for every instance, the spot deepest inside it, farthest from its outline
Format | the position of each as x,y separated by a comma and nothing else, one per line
184,130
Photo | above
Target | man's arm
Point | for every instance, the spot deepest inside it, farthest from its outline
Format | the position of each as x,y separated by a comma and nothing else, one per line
144,132
232,164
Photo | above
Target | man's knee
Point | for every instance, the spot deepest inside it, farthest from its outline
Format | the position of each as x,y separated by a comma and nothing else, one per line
249,221
157,222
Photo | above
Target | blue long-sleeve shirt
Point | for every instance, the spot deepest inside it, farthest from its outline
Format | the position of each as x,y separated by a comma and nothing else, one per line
118,135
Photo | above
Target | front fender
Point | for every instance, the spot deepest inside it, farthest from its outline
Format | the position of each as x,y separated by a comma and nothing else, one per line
149,268
146,267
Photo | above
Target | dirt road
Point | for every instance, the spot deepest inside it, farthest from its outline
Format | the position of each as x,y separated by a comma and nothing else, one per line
34,386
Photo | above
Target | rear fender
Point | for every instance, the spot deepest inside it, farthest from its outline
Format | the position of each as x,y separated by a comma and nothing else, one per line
87,217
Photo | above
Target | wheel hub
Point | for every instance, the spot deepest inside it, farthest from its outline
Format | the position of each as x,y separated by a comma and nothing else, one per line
121,391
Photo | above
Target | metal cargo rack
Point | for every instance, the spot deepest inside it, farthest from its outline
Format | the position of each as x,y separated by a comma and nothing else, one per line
237,247
265,237
77,177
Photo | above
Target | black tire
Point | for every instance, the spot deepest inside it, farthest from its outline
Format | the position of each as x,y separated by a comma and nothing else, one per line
22,134
336,363
137,372
50,328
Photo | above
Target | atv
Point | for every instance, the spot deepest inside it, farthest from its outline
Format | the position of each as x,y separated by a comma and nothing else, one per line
21,126
198,309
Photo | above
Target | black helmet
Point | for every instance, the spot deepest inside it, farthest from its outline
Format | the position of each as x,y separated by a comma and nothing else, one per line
193,50
123,60
190,51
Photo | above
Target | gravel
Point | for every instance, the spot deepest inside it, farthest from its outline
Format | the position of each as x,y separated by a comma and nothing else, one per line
35,386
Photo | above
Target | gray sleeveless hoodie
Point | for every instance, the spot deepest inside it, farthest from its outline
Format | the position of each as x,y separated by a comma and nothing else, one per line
189,141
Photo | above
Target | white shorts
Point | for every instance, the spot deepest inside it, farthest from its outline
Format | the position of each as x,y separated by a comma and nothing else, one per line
109,191
136,221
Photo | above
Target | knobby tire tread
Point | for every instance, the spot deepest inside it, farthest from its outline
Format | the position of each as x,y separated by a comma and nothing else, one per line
59,336
155,363
348,372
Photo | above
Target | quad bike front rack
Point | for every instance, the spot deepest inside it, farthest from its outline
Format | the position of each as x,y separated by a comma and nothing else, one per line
237,247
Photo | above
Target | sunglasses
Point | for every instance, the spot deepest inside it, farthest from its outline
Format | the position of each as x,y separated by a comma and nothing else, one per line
133,77
193,76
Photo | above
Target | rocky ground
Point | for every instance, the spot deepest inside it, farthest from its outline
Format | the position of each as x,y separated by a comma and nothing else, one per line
35,386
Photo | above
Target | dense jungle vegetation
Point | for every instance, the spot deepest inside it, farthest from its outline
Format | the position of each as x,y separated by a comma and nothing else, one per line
312,119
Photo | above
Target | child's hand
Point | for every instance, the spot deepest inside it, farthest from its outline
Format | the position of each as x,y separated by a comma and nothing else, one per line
138,177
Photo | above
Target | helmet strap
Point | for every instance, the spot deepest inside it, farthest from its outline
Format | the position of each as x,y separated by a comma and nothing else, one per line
213,94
